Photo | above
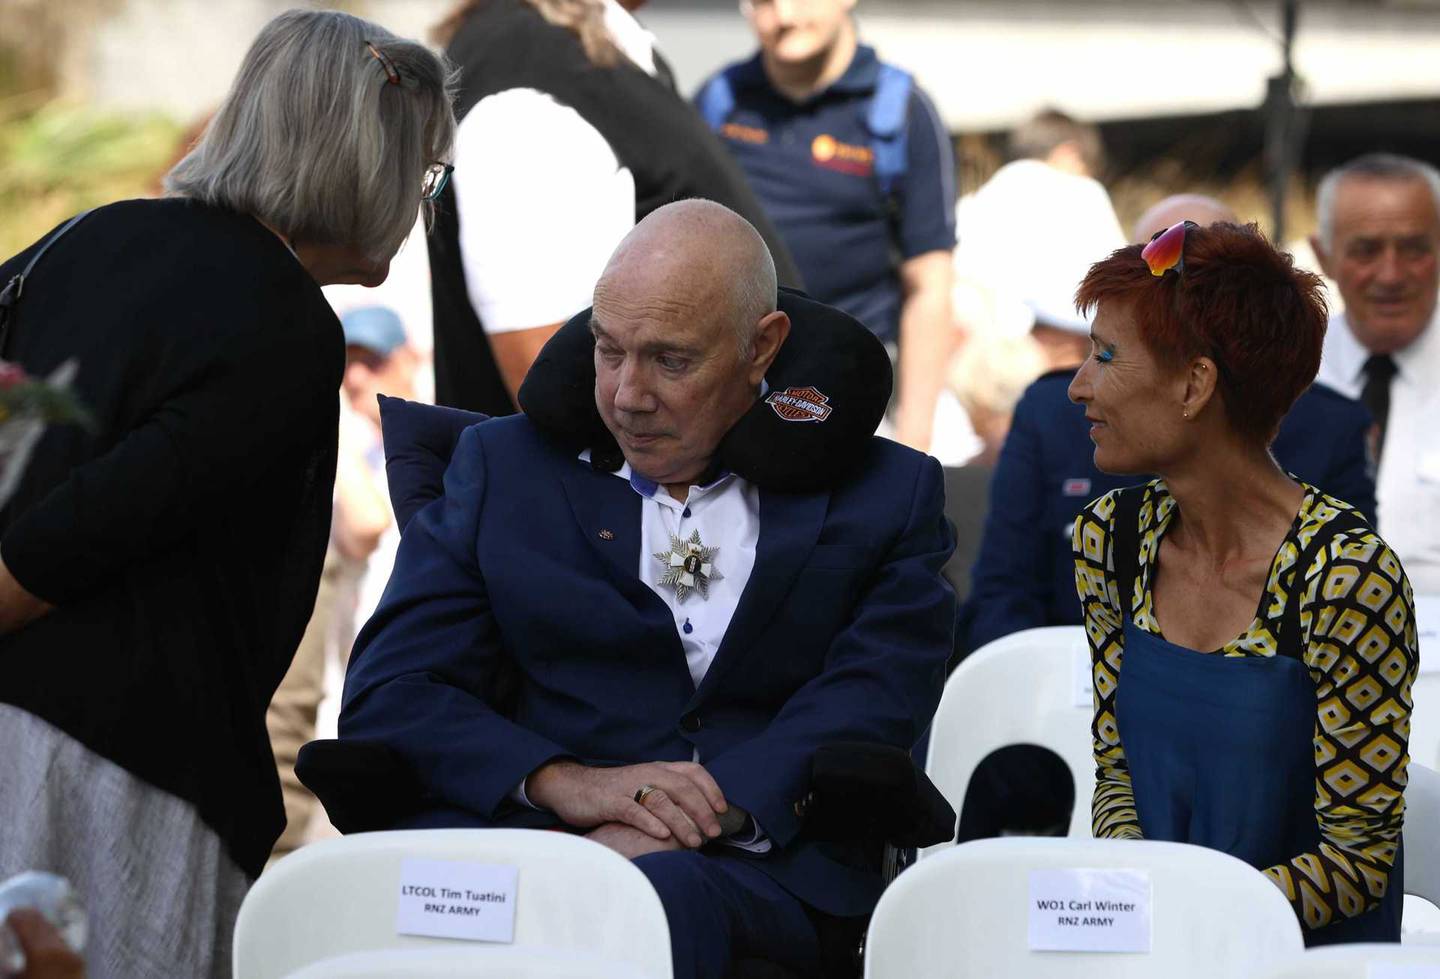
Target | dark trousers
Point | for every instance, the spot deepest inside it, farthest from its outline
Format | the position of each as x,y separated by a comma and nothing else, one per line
722,909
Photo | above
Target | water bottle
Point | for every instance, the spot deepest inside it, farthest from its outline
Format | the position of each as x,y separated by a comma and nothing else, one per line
48,894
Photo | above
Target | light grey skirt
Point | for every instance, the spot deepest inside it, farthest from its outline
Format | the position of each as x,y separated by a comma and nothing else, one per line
159,889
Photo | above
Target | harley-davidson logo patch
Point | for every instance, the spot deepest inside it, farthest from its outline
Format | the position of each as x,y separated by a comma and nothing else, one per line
805,404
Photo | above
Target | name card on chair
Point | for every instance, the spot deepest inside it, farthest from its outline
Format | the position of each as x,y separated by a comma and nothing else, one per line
1078,910
457,899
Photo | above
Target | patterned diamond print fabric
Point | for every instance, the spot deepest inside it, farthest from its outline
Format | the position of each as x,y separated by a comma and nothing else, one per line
1357,623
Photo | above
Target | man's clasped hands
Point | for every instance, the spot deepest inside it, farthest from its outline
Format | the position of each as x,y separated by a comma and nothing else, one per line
684,809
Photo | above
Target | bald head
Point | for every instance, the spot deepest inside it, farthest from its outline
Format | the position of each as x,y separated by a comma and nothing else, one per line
1203,210
702,261
684,286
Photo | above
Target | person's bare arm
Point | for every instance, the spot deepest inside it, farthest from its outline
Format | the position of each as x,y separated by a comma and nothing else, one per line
516,350
362,508
17,606
927,339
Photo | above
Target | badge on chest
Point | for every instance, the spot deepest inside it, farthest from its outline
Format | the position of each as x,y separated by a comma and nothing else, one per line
689,566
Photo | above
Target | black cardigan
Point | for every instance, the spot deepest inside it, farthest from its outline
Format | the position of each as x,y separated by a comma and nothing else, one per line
182,539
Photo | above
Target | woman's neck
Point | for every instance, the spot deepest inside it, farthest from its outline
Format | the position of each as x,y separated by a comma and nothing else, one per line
1230,501
798,81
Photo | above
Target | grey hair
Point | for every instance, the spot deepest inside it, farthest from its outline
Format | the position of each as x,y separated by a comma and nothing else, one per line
315,139
1374,166
754,294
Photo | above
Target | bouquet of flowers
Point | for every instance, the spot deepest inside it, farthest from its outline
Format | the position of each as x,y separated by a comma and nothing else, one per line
27,406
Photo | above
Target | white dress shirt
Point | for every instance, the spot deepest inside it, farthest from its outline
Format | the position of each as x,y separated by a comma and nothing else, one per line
542,198
727,515
1407,486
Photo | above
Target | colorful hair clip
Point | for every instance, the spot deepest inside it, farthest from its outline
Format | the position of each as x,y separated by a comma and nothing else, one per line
1166,250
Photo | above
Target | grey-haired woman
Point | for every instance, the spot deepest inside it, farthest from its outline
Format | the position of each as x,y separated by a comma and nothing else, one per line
157,571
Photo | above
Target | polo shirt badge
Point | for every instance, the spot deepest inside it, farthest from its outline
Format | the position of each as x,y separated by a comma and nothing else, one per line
805,404
745,134
1077,487
689,566
829,152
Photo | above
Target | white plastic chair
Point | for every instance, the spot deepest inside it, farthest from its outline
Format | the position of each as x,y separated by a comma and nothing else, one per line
1361,962
1030,687
966,911
1422,834
1425,720
490,963
340,896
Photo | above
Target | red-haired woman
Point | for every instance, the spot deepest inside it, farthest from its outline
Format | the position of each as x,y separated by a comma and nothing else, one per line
1253,640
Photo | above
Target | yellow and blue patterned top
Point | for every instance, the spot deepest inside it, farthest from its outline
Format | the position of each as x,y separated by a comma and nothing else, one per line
1359,644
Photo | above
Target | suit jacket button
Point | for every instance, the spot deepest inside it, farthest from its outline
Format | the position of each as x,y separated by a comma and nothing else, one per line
690,723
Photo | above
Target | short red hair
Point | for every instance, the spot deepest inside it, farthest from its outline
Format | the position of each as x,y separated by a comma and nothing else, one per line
1241,302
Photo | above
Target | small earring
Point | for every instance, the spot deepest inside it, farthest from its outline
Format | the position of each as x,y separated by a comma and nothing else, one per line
1185,414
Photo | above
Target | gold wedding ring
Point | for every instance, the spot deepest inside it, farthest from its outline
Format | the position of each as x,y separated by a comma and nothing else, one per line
644,791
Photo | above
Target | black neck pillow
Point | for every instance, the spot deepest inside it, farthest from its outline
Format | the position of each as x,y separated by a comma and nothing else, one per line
828,389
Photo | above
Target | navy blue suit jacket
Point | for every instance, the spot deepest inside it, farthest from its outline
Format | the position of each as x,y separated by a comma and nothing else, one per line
1024,575
841,634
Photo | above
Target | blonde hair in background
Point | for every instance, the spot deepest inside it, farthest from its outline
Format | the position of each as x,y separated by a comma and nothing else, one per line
583,18
315,139
988,375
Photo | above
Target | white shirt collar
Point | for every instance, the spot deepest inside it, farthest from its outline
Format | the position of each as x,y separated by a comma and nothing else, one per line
1419,362
651,490
633,40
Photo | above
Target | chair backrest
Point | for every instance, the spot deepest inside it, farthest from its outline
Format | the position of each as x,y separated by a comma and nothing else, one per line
340,896
1032,687
1366,961
966,912
967,498
1425,719
447,963
1422,834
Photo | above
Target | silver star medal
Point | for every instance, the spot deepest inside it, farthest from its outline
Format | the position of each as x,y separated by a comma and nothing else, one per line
689,566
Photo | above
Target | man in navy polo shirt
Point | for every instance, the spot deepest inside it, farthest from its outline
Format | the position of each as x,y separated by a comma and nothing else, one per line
853,165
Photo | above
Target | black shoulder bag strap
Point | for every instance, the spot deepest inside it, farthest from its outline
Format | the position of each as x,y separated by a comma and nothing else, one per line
1125,544
10,295
1290,638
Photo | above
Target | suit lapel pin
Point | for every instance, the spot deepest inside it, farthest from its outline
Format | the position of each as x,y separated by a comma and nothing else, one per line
607,534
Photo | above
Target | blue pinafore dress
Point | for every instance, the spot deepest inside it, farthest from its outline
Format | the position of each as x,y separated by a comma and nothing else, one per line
1220,748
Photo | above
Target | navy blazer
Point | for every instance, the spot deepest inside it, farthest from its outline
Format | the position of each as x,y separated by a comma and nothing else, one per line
1024,574
841,634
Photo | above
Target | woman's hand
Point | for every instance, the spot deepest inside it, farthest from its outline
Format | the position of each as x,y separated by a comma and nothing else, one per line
46,954
17,606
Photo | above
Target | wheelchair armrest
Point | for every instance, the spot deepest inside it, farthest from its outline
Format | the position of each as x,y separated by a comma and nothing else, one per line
364,785
875,792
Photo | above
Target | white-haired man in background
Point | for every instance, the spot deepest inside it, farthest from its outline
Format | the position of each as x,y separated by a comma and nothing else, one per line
1379,239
